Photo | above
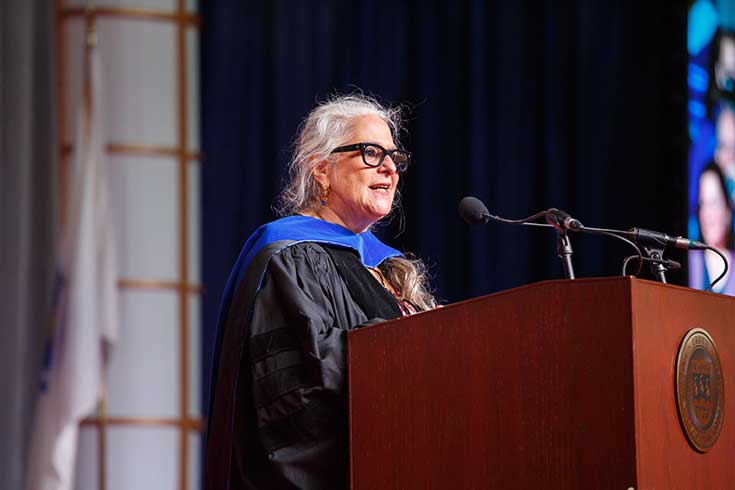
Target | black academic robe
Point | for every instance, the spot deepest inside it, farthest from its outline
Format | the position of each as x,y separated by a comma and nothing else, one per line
289,425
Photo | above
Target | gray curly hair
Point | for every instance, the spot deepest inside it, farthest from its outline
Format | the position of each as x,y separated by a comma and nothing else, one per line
327,127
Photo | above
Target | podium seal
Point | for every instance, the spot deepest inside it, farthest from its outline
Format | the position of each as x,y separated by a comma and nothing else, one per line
700,389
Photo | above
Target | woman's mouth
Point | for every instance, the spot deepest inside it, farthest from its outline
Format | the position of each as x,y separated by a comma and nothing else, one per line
381,187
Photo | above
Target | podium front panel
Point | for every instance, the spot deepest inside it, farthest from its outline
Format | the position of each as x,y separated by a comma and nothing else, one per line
530,388
662,315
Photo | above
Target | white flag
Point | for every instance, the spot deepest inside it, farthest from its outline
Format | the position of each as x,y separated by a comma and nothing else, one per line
85,302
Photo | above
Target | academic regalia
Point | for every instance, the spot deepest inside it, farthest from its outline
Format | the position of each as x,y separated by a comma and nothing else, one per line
278,417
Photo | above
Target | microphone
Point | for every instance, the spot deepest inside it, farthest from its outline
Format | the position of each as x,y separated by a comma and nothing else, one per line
656,238
562,221
473,211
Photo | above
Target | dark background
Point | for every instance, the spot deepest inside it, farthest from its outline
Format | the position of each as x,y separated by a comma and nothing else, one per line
526,105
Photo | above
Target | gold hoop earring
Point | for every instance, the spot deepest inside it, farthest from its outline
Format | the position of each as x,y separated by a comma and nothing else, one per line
325,195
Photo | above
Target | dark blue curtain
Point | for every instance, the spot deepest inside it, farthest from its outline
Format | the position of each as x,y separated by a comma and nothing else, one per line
527,105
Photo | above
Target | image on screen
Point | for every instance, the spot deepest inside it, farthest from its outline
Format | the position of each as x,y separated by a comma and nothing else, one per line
711,125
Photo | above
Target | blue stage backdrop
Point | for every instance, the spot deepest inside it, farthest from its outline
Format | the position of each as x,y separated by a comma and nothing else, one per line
526,105
711,81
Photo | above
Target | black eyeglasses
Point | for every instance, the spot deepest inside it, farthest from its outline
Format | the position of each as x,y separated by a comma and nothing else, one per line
373,155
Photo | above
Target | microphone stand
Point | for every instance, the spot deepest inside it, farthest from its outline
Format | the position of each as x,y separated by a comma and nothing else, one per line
554,220
564,252
657,267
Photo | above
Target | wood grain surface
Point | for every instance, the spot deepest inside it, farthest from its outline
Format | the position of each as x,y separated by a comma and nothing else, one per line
555,385
662,316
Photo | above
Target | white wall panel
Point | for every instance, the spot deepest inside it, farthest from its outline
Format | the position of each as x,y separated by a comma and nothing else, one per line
87,467
142,79
192,56
195,273
145,197
138,60
168,5
195,462
195,365
142,458
144,371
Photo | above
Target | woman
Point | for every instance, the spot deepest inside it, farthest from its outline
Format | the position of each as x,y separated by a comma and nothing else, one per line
715,217
279,411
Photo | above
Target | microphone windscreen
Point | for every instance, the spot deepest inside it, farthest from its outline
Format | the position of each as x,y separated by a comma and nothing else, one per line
473,211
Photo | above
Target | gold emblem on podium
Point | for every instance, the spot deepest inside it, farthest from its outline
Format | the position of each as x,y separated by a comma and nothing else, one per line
700,389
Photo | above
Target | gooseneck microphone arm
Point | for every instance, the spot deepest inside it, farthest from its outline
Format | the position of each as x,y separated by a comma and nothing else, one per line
654,243
616,234
473,211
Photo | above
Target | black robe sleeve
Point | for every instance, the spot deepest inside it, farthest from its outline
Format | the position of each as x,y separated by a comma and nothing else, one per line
291,410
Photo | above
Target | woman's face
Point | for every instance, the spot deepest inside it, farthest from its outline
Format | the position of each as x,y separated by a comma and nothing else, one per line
360,195
714,215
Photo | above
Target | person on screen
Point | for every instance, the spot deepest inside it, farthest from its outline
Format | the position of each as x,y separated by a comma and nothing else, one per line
278,418
715,218
721,70
725,146
724,69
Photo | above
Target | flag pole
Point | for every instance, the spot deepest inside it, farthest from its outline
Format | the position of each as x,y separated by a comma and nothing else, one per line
90,45
102,437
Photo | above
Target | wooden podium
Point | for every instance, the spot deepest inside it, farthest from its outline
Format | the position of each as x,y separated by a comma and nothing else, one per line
555,385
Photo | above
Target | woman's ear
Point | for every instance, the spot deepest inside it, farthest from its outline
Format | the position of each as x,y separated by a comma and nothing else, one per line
321,173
